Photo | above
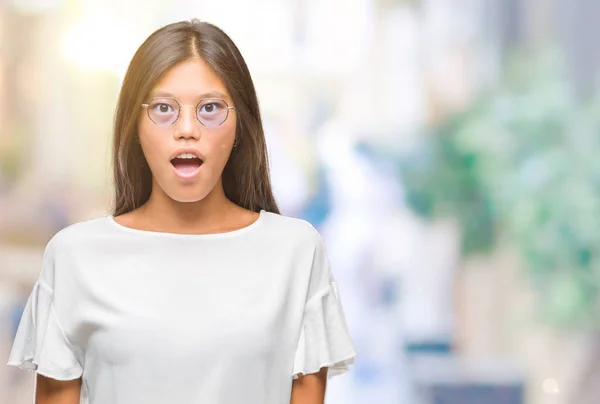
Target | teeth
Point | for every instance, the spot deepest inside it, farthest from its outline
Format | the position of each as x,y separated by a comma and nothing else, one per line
186,156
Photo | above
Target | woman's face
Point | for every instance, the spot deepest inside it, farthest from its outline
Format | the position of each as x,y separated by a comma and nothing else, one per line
187,179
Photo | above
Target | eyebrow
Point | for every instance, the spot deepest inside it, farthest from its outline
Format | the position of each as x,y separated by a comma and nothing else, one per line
210,94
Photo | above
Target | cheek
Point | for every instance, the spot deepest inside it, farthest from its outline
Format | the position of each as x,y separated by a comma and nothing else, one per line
152,143
222,142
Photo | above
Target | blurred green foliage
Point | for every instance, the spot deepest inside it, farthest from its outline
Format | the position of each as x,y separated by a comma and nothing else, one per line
523,164
12,151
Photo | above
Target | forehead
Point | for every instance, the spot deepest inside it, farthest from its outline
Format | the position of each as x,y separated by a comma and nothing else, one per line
190,80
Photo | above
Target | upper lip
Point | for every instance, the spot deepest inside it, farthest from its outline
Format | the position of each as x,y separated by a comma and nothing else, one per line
186,150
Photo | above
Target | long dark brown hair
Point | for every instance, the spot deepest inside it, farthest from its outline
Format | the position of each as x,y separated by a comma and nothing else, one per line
246,179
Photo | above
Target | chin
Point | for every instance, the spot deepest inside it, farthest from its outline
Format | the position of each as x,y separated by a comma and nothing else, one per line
194,191
188,197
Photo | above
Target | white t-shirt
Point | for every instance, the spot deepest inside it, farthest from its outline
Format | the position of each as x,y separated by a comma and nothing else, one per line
155,318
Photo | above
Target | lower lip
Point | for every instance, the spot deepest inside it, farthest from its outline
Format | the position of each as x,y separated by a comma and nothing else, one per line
187,176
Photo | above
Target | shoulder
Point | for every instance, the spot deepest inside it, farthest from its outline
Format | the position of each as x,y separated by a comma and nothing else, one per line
294,229
66,247
76,234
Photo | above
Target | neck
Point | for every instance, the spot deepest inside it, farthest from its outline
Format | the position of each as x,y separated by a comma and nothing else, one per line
165,212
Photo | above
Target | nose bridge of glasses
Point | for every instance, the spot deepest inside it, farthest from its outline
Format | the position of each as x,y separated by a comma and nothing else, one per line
195,108
183,117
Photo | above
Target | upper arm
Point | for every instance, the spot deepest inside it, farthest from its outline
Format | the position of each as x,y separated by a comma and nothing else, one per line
50,391
310,388
324,348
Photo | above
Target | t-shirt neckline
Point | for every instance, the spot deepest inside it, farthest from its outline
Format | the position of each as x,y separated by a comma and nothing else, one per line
153,233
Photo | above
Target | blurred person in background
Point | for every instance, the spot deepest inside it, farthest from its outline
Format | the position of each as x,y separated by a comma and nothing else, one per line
194,289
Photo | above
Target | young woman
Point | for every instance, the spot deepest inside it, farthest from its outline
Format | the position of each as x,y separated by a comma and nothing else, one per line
194,290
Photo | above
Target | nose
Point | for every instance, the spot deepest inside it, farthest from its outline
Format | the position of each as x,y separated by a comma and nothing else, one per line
187,126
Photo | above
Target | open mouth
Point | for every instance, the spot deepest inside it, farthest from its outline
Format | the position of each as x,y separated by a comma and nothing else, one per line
186,167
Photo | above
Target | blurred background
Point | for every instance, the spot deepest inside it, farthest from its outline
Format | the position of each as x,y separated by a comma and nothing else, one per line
447,150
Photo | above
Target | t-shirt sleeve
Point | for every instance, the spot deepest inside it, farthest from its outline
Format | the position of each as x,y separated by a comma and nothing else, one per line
324,339
40,344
